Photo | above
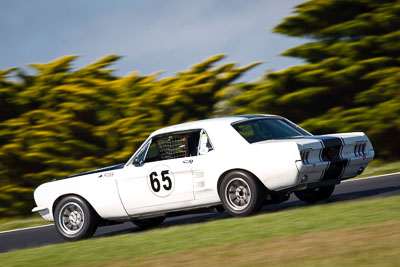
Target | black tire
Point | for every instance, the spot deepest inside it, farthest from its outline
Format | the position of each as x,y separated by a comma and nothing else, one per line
241,193
149,222
75,219
315,194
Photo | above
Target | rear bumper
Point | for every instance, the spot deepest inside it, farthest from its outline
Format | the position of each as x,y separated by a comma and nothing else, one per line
324,173
317,167
357,165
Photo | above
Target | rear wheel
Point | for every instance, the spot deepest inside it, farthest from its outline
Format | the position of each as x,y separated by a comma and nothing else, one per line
315,194
149,222
75,219
241,193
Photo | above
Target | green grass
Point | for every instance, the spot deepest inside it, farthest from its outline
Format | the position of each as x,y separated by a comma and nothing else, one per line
21,222
219,236
378,167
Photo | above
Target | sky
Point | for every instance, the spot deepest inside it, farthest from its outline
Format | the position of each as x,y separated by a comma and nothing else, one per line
151,35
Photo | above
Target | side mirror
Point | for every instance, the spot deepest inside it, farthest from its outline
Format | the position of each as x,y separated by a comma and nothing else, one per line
136,162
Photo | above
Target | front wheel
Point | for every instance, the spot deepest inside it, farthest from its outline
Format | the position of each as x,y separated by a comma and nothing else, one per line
75,219
315,194
241,193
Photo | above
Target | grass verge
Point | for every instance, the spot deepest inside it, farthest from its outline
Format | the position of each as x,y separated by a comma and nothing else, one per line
378,167
297,231
349,247
21,222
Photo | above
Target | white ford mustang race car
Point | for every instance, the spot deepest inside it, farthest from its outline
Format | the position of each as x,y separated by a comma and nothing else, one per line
238,163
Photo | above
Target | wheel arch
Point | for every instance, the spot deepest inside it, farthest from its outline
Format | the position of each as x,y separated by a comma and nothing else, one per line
221,177
55,203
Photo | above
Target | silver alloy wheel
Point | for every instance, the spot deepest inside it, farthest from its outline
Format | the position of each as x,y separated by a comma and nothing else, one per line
237,194
71,218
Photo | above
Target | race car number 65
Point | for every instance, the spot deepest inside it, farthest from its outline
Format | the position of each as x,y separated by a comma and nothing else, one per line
161,182
155,183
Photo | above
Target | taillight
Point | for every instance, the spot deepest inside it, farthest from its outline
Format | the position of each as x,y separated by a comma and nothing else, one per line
304,154
359,149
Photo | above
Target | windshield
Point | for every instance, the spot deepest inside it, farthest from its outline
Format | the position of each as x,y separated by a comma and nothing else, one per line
267,129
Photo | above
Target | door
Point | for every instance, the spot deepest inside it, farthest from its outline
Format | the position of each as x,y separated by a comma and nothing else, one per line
161,178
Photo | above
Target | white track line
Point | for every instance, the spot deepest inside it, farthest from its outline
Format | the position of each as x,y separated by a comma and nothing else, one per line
346,181
371,177
27,228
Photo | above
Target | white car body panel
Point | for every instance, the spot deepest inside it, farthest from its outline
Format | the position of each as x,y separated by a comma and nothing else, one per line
101,193
135,178
125,192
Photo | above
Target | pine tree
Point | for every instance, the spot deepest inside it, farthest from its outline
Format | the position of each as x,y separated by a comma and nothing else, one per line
59,121
350,81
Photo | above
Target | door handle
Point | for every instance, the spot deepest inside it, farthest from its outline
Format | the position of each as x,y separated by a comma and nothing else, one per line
188,161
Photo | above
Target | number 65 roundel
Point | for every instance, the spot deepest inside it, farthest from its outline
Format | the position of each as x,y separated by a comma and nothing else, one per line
161,181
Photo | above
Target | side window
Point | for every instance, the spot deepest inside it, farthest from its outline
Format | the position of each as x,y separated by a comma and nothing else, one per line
169,147
179,145
172,147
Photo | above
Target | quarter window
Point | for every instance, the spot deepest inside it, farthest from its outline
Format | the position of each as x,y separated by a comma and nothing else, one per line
204,144
142,153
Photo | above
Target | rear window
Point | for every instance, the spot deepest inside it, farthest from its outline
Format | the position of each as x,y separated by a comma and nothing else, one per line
266,129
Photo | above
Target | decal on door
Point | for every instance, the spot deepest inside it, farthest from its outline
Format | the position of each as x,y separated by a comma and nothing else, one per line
161,181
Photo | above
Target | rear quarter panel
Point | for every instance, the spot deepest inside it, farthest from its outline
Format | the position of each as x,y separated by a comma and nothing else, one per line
272,163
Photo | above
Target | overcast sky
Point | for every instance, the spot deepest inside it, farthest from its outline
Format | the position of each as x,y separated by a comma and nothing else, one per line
151,35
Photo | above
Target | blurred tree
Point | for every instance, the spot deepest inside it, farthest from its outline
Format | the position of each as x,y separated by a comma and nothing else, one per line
351,79
58,121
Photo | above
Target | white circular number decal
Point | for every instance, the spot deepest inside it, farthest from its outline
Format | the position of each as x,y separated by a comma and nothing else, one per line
161,181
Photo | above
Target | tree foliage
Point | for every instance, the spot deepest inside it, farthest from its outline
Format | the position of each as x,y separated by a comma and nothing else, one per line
60,121
351,79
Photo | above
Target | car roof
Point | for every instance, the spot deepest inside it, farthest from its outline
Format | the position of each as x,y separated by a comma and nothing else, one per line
200,124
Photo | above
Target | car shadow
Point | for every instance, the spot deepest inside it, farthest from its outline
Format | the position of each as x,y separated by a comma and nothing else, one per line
169,222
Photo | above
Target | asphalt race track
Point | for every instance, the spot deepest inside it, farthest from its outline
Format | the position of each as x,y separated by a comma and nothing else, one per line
384,186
